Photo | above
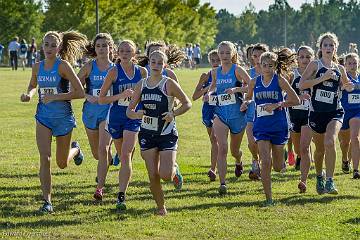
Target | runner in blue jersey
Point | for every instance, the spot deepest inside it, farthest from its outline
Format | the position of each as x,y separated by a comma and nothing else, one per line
208,109
324,76
255,54
158,135
300,131
227,82
92,76
351,124
54,115
270,122
122,78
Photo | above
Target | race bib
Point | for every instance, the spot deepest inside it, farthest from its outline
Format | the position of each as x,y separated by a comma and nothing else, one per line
96,93
213,100
226,99
48,91
353,98
324,96
303,106
261,112
124,102
150,123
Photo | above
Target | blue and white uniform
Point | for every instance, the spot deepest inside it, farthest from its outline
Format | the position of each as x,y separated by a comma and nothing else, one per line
250,111
154,131
228,105
272,126
208,110
299,114
94,113
117,121
56,115
325,100
351,102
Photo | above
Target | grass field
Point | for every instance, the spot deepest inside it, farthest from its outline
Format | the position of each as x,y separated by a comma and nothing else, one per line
197,212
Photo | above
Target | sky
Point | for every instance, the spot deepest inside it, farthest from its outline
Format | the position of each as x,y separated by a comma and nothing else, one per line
237,6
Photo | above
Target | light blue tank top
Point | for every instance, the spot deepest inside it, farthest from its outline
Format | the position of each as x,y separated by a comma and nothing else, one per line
50,82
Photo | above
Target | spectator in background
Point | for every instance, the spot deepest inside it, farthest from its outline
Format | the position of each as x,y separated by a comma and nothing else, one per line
189,54
197,54
31,54
13,53
23,53
1,52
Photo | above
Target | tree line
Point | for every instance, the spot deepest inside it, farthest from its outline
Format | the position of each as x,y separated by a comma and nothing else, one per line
183,21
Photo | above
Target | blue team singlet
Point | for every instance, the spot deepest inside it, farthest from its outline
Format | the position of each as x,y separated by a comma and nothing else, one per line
50,82
325,96
351,100
228,105
94,113
207,109
276,121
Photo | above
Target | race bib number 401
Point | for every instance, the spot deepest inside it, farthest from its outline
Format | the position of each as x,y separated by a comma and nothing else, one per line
150,123
353,98
324,96
226,99
261,112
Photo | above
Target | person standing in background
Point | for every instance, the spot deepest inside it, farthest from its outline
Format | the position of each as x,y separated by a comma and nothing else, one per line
197,55
13,52
1,52
23,53
31,53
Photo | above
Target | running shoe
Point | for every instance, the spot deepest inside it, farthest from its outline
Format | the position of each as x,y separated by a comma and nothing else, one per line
356,174
254,173
269,203
346,167
120,203
212,175
47,207
297,164
161,212
78,158
238,169
178,178
330,187
320,186
116,160
291,158
222,189
98,195
302,187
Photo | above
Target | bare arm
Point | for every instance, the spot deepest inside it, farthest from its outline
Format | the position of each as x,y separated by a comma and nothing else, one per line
199,90
175,90
307,79
346,83
171,74
292,98
31,90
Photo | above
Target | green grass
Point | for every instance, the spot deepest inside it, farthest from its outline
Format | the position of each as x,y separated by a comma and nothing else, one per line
197,212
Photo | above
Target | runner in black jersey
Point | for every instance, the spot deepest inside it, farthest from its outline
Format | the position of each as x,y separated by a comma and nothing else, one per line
324,76
158,134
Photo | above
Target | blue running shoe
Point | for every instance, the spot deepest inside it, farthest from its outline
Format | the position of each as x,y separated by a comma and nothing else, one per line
178,178
320,186
116,160
330,187
47,207
78,158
